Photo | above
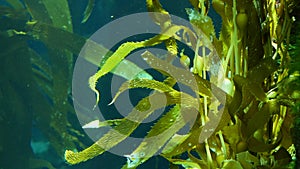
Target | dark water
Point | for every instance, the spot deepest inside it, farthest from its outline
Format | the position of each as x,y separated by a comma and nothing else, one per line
27,137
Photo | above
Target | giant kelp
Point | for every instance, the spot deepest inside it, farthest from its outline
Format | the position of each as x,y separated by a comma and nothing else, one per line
256,97
255,130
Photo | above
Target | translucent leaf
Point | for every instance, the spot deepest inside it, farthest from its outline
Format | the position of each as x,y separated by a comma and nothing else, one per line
99,124
88,10
143,83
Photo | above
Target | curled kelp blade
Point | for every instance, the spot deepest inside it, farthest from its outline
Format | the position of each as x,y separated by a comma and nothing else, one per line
144,83
125,49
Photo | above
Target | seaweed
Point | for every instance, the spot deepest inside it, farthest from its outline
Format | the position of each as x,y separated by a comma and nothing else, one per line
248,119
256,117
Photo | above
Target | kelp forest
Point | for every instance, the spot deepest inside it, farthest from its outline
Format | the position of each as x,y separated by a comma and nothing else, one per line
227,85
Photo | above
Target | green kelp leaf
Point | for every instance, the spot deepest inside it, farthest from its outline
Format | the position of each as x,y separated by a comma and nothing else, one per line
159,15
202,22
160,133
258,120
255,145
195,136
262,70
40,67
196,83
54,37
51,12
248,85
171,46
186,143
61,67
93,53
124,50
255,78
179,74
120,132
195,4
88,10
38,11
130,70
254,36
173,143
59,13
244,95
99,124
96,53
236,100
217,119
144,83
162,18
200,162
230,164
232,134
247,160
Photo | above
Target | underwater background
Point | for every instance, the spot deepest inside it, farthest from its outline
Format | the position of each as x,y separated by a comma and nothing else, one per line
40,41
